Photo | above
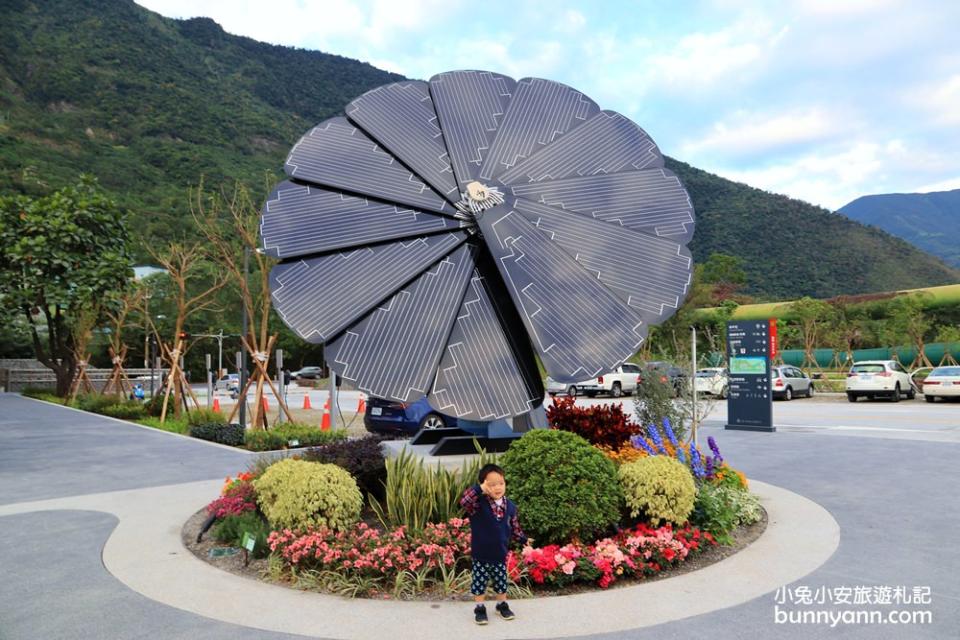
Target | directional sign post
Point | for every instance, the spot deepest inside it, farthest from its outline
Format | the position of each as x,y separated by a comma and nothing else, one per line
750,351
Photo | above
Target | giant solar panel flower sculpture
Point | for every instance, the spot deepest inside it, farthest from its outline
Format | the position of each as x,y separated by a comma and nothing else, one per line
443,233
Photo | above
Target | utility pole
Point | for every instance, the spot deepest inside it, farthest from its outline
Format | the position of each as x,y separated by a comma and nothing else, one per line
243,352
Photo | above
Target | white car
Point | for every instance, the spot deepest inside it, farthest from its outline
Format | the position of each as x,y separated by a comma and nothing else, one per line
873,378
621,381
712,381
943,382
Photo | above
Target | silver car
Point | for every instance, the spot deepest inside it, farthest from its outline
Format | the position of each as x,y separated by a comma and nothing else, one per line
790,382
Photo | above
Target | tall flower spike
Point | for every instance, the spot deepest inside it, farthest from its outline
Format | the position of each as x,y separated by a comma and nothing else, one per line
639,442
696,463
655,437
717,458
672,437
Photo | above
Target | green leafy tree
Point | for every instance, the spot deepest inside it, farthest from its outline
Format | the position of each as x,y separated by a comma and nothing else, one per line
811,315
62,254
909,320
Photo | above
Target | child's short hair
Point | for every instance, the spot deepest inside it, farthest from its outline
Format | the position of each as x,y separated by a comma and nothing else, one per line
488,469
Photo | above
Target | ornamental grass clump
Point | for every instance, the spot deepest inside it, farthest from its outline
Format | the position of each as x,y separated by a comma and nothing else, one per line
660,488
416,494
564,487
299,495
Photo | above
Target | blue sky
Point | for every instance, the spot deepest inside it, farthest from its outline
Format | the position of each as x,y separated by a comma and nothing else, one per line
823,100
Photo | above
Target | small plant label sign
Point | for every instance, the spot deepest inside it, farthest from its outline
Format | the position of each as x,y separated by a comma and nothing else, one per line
293,443
248,541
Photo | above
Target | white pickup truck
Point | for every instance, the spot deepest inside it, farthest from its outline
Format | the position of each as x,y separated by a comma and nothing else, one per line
620,382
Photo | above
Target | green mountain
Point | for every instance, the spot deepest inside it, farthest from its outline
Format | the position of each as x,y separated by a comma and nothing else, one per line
150,104
930,221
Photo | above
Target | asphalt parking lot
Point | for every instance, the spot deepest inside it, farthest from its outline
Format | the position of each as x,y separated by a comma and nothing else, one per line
831,414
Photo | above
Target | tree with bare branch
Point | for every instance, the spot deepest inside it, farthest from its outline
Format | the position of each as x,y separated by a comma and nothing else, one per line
118,312
230,222
195,283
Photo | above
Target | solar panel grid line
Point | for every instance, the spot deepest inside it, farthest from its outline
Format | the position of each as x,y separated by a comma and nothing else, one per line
644,199
469,107
299,220
562,317
607,143
479,347
585,307
396,348
340,155
320,296
657,267
401,117
541,112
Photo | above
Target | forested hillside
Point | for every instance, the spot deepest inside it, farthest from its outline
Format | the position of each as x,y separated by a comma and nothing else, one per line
930,221
149,105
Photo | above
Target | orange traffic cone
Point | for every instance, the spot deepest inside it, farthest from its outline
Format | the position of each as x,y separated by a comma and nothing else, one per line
326,406
362,405
325,421
306,402
266,405
216,405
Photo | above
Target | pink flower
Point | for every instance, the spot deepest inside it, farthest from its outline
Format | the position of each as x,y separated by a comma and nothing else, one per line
568,567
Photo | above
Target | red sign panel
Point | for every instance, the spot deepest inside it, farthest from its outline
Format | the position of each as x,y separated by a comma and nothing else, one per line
774,340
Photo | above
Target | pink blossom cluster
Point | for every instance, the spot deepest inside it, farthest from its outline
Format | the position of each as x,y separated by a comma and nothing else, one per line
367,550
640,551
237,497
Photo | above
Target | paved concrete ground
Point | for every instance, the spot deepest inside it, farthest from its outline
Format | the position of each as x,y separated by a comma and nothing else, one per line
894,501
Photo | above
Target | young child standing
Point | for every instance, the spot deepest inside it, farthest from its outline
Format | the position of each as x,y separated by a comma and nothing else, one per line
494,522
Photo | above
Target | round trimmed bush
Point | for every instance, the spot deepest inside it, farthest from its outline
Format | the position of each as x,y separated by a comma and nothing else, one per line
660,487
563,486
300,495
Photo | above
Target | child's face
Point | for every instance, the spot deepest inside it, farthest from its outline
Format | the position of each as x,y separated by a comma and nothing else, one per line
495,485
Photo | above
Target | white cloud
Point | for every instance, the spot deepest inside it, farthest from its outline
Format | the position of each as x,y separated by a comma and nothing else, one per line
702,60
944,185
571,21
753,133
830,180
939,99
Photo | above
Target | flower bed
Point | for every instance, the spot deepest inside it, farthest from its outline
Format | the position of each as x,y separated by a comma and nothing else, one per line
380,556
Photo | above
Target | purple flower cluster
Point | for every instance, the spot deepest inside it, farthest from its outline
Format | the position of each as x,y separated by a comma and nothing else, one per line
717,458
696,463
655,436
639,442
671,436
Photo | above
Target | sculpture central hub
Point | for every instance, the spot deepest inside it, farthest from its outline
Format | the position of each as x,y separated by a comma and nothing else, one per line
478,198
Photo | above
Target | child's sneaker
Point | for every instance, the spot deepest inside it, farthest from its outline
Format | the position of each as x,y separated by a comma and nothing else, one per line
504,610
480,614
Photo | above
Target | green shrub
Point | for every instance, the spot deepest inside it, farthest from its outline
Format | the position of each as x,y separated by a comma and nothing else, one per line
417,494
172,424
230,531
205,416
229,434
299,495
659,487
655,397
93,402
125,410
41,393
720,510
562,485
292,434
362,457
154,404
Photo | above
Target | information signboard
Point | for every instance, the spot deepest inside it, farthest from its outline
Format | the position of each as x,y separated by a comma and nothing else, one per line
751,347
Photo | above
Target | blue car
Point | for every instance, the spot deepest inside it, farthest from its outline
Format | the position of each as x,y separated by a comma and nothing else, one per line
404,418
